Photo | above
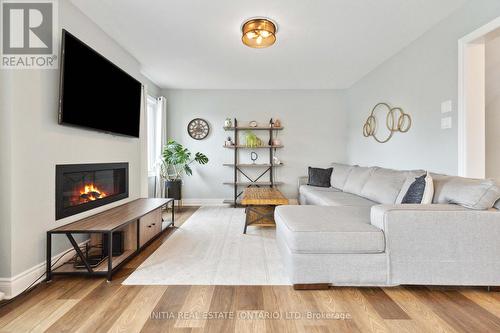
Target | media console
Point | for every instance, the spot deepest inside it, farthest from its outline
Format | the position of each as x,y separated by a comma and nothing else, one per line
140,221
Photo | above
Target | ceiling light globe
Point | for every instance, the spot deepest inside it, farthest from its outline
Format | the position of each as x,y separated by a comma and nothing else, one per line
258,33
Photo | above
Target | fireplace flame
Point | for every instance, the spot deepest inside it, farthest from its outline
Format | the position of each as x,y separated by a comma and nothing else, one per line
91,192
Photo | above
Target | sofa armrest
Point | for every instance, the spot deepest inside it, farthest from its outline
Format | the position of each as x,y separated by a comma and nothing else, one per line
302,181
438,233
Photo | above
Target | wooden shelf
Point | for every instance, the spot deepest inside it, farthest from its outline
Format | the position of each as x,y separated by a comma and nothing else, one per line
102,267
245,146
258,128
253,165
253,183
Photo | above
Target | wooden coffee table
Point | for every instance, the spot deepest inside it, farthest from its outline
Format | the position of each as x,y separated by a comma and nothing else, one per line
260,204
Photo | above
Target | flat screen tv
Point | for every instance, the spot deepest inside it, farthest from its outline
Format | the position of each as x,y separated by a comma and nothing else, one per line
95,93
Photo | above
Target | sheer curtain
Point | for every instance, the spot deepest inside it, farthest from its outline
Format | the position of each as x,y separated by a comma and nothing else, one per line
162,112
157,138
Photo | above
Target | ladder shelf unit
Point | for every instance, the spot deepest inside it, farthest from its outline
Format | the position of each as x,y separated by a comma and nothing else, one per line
238,168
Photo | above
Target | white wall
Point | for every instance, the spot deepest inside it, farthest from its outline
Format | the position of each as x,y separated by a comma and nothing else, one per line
418,79
5,175
314,133
38,143
492,96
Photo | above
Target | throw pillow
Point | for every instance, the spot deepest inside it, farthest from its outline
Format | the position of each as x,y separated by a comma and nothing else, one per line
429,190
319,177
421,191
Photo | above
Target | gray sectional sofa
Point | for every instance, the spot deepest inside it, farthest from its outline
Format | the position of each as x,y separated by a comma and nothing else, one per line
357,232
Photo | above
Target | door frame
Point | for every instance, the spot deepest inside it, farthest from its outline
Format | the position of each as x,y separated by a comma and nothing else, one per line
471,101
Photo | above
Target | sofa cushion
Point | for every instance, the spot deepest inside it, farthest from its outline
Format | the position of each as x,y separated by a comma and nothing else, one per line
384,185
340,174
357,179
321,196
479,194
314,229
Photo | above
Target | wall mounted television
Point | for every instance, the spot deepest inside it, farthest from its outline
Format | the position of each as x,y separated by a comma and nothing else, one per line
95,93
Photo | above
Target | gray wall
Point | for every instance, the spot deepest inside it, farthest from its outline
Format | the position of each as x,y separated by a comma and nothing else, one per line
314,132
38,143
492,92
418,79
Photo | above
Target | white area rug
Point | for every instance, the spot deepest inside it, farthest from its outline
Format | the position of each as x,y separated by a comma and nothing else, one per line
211,249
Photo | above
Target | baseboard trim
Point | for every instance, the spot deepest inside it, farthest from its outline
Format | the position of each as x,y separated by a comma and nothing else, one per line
12,287
203,202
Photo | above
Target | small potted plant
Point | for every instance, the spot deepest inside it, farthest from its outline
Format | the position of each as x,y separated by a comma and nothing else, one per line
176,162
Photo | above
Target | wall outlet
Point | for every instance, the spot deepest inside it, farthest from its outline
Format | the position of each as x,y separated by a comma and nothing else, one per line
446,123
446,106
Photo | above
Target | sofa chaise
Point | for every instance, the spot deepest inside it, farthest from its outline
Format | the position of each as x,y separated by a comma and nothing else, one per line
357,232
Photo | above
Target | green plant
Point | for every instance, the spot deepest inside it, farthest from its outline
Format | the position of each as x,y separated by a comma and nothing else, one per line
177,160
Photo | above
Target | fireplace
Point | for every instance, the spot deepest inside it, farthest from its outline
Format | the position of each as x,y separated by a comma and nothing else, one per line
80,187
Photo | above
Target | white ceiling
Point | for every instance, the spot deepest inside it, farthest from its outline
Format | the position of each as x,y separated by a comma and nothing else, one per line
322,44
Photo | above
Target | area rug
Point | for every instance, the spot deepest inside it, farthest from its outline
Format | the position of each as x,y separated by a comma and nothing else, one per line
211,249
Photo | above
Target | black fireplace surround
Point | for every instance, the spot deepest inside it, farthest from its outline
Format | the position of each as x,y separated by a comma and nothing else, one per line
81,187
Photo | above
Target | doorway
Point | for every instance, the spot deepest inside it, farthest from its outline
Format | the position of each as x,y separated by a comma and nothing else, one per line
472,116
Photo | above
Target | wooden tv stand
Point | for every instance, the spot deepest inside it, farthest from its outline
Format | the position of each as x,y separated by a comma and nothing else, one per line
139,220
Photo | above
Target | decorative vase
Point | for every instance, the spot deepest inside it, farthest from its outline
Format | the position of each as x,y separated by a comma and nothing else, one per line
228,122
276,161
277,123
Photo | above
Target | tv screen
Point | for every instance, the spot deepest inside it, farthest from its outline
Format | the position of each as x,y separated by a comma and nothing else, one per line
95,93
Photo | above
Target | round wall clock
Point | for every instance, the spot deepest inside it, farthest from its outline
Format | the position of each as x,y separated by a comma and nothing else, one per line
198,129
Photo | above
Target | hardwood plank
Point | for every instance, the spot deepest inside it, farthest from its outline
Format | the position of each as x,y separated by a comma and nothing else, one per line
197,303
78,315
383,304
328,303
27,307
284,304
60,306
164,315
41,315
487,300
421,314
270,303
133,318
363,314
249,298
223,302
81,289
459,311
110,310
249,321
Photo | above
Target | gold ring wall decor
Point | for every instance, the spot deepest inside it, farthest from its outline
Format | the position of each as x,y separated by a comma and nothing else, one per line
396,120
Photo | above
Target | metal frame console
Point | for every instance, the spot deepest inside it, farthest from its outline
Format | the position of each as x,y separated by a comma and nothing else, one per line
140,220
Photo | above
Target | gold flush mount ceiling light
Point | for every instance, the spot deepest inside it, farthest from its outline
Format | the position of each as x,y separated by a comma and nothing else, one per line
258,32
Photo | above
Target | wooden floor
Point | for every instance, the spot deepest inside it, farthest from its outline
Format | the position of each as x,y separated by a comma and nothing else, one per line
93,305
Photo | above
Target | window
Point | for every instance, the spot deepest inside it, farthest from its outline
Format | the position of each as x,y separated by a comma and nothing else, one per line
154,134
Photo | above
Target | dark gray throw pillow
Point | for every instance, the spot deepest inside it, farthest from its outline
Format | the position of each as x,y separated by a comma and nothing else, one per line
415,192
320,177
